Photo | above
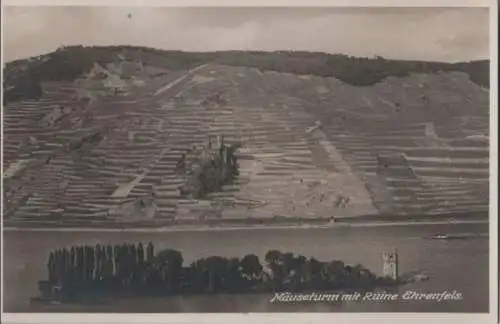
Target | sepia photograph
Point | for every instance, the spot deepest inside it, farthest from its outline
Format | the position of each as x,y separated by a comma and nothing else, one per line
246,159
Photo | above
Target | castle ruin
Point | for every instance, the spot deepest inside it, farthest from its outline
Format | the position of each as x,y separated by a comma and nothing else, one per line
390,265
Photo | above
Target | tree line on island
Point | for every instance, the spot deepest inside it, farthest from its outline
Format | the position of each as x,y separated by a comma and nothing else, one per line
137,270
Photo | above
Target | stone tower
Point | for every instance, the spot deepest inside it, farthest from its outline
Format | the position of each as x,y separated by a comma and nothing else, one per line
391,265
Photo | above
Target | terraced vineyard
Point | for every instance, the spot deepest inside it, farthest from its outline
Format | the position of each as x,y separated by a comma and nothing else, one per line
312,147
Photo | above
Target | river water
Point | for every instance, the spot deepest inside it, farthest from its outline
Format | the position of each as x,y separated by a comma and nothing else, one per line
451,265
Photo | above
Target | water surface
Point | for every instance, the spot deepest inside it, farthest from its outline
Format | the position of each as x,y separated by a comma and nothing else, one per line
460,265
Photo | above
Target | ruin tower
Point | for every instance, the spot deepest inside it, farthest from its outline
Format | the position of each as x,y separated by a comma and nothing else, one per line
391,265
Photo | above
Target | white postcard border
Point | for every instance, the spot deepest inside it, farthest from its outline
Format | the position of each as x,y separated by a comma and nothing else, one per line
262,318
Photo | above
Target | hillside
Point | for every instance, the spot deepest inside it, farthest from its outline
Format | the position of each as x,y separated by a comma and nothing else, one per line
321,136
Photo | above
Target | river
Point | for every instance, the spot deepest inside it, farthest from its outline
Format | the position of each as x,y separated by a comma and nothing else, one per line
451,265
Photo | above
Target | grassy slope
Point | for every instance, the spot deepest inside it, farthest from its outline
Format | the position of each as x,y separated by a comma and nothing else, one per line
69,63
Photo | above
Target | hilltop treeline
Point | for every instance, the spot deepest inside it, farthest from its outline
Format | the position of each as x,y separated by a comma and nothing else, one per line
136,269
352,70
69,63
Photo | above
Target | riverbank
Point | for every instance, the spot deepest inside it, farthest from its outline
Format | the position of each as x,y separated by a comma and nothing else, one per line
257,224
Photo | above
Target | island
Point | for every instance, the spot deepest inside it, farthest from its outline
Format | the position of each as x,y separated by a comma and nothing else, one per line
81,273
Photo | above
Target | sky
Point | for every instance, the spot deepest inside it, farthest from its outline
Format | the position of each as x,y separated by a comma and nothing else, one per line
431,34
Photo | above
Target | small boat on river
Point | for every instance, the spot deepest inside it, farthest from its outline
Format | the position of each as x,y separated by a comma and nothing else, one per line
459,236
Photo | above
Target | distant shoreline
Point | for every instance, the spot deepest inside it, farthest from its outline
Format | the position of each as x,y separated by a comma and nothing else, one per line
360,221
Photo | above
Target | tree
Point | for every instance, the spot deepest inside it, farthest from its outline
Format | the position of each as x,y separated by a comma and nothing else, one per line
170,264
274,259
250,266
117,258
65,264
150,253
56,265
89,256
298,276
79,263
99,263
126,263
51,267
199,275
72,258
133,262
313,273
140,254
233,275
108,269
273,256
288,262
214,266
333,274
141,271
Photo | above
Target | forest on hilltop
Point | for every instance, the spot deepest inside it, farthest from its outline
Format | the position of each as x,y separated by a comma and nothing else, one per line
22,77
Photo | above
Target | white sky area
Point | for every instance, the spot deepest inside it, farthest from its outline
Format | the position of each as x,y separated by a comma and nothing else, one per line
435,34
